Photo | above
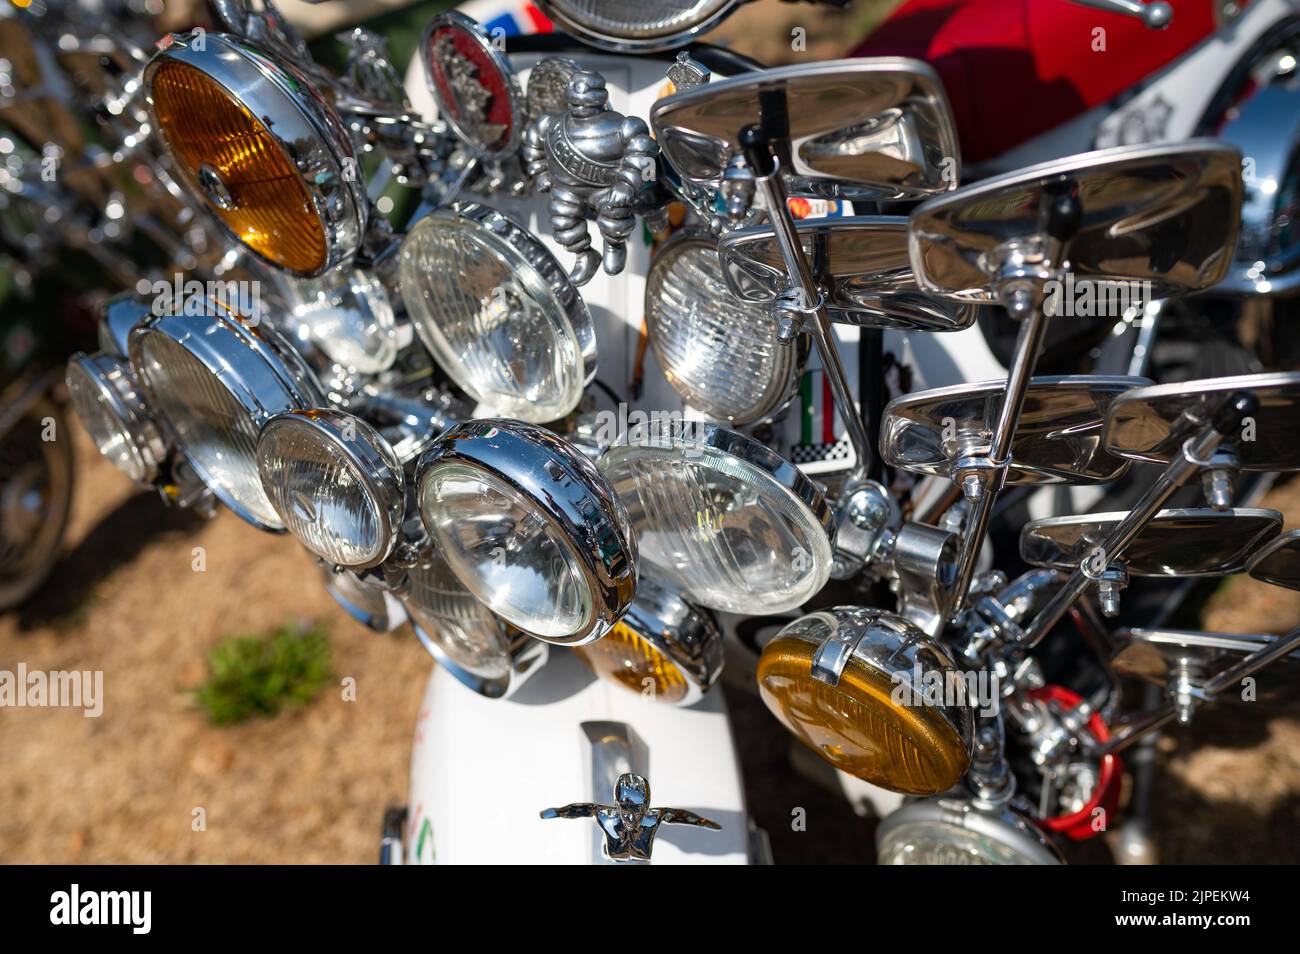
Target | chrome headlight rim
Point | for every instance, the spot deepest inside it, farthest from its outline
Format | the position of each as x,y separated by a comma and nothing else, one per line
688,635
532,265
783,385
567,490
253,364
454,19
374,464
604,40
306,128
114,382
121,314
1010,828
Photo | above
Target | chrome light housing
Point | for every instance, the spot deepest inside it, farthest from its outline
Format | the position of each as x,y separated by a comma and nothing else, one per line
873,695
498,313
261,147
721,354
371,605
636,26
722,517
953,831
214,381
530,527
465,637
663,648
335,483
108,402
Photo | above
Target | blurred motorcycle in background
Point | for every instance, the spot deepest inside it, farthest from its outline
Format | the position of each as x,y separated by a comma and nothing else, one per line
605,357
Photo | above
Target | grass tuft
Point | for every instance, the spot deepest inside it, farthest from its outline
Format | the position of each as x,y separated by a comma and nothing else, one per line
259,675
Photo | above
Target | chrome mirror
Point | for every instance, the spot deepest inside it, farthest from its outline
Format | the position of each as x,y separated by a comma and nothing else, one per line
1152,423
850,129
1058,440
1175,543
1173,657
1279,562
1163,215
861,265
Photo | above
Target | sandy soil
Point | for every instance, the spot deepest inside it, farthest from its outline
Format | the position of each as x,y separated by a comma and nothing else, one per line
307,786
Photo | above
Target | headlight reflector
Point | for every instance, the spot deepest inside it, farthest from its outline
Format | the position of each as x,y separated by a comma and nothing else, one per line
498,313
530,527
106,399
335,484
726,520
719,353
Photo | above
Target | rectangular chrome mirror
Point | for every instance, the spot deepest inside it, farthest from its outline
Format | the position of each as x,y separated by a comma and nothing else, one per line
861,265
847,129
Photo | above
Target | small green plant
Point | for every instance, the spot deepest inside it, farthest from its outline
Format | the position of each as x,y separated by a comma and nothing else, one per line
259,675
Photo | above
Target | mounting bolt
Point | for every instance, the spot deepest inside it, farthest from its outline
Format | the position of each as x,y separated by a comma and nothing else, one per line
1217,485
972,487
1108,593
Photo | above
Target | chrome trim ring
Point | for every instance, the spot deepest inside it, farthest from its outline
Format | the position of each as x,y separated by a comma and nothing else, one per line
121,314
254,364
450,113
303,123
114,384
567,491
374,465
603,39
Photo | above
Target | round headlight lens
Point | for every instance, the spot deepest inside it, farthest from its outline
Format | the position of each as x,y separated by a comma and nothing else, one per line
234,161
731,524
335,483
528,525
496,311
628,659
351,319
857,718
106,400
628,25
938,843
719,353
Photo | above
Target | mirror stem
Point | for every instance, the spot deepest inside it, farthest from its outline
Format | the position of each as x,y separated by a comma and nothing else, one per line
758,153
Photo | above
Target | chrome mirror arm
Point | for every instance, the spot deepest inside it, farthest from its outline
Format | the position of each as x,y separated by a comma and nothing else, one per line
1155,15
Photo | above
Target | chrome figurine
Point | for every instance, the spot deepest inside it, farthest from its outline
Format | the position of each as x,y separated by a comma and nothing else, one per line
630,824
596,163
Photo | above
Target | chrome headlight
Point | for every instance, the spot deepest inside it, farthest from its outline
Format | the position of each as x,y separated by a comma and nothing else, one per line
106,399
640,26
733,525
465,637
335,484
369,604
873,695
265,151
950,831
350,318
498,313
663,649
530,527
214,381
719,353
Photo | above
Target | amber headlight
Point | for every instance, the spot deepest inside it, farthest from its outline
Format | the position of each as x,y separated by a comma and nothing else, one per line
664,648
873,695
268,155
